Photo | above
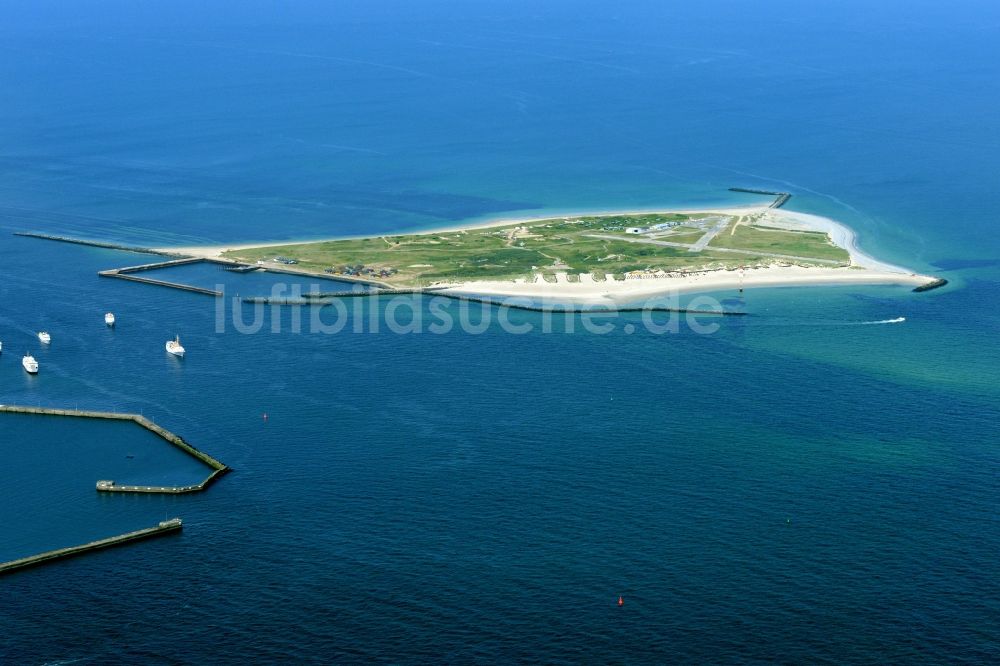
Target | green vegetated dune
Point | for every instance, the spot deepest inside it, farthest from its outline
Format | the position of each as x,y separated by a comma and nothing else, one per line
599,245
812,244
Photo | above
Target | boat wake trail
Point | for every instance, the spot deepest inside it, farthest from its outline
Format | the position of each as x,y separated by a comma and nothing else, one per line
897,320
814,323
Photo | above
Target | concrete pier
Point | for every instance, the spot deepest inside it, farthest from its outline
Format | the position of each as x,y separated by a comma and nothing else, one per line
781,200
107,246
127,273
370,292
324,297
107,486
157,264
218,468
325,276
163,528
160,283
180,259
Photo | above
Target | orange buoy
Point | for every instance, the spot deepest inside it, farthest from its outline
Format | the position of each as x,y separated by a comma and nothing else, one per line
621,601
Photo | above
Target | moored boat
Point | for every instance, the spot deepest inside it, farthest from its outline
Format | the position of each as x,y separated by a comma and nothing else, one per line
109,319
174,347
30,364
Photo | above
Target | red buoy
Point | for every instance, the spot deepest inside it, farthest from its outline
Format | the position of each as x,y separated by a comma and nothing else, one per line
621,601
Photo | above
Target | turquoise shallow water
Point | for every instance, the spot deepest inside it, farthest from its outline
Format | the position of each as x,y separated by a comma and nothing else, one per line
802,485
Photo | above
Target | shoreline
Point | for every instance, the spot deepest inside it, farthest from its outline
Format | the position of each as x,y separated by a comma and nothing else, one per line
864,269
624,291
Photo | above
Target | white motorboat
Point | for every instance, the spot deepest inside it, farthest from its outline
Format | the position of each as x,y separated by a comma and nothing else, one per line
174,347
44,337
109,318
1,347
30,364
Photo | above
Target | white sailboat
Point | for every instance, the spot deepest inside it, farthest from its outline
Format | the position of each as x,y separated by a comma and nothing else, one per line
109,319
30,364
174,347
44,337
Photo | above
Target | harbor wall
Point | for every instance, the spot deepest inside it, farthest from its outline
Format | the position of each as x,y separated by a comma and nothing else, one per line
781,200
160,283
323,276
128,273
218,468
90,243
171,526
933,284
158,264
106,486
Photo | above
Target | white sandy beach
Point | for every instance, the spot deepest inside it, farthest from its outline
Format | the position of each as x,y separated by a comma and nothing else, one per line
864,269
620,291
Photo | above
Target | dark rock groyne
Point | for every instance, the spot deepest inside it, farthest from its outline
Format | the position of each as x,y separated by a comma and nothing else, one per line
933,284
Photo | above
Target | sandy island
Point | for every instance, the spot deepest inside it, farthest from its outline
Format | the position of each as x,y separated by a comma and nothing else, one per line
864,269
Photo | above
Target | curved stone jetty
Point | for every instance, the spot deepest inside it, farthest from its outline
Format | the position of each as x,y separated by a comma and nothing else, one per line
218,468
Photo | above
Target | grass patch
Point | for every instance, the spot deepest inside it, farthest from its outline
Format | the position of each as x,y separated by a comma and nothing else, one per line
544,246
811,244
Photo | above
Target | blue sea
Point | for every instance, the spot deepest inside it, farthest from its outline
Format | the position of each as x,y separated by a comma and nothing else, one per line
800,486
